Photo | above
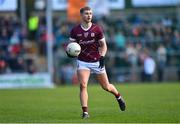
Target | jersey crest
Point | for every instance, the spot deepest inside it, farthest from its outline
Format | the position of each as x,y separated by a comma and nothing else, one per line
92,34
86,34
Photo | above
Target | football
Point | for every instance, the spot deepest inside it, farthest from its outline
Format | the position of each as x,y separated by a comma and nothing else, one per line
73,49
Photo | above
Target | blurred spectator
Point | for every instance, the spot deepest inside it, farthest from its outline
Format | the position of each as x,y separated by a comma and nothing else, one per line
4,39
167,22
131,53
33,23
161,61
176,40
16,62
42,42
31,68
15,38
120,40
61,35
149,67
67,73
3,63
2,66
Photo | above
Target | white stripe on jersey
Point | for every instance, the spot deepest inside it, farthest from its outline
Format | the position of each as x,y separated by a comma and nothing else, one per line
103,39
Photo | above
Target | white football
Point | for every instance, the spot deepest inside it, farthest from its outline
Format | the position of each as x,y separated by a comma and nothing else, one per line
73,49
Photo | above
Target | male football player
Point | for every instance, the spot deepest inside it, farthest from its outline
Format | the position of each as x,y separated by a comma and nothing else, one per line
91,59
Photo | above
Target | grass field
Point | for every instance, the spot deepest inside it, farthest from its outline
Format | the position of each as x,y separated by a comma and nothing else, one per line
145,103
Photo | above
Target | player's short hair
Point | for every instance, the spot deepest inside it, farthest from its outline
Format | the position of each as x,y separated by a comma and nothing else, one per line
84,9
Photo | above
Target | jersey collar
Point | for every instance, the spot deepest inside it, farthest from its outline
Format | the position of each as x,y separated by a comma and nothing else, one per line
85,29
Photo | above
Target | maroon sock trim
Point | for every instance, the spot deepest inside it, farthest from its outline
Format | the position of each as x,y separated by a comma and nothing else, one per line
118,95
85,109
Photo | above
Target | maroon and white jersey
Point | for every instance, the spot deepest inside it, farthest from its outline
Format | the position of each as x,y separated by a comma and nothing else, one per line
88,39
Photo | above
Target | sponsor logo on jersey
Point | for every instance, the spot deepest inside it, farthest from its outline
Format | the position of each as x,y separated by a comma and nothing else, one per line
87,42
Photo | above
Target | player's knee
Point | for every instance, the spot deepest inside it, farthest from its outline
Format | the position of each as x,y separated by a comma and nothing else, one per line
83,86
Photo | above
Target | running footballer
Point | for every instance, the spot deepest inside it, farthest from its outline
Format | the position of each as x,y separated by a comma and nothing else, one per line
91,38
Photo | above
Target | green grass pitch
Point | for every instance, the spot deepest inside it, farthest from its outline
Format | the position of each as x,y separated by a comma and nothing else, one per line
145,103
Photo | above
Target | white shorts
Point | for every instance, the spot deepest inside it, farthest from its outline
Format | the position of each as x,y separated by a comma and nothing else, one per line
92,66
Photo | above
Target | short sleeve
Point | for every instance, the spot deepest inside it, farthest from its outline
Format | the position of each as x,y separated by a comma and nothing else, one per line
72,35
100,33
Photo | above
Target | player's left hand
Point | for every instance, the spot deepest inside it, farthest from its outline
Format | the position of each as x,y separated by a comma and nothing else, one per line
101,62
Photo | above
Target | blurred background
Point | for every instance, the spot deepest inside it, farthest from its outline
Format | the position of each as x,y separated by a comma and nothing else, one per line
143,39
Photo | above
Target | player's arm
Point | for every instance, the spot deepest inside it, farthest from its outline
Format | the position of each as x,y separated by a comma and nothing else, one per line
66,43
102,52
72,38
103,47
65,47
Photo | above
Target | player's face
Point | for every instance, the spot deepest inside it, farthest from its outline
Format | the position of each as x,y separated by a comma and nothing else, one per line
87,16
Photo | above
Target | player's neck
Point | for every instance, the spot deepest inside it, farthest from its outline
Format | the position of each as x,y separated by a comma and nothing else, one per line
86,25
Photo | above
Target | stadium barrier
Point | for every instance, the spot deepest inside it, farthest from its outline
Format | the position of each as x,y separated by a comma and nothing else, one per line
25,80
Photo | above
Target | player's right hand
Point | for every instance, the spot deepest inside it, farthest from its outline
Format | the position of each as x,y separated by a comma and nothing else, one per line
70,55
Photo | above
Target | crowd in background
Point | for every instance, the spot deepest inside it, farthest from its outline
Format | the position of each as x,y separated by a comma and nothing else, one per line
15,54
138,46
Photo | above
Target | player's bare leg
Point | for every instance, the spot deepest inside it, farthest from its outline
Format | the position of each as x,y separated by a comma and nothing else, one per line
103,80
83,77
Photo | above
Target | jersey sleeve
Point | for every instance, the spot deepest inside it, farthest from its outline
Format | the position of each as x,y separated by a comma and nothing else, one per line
100,34
72,35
